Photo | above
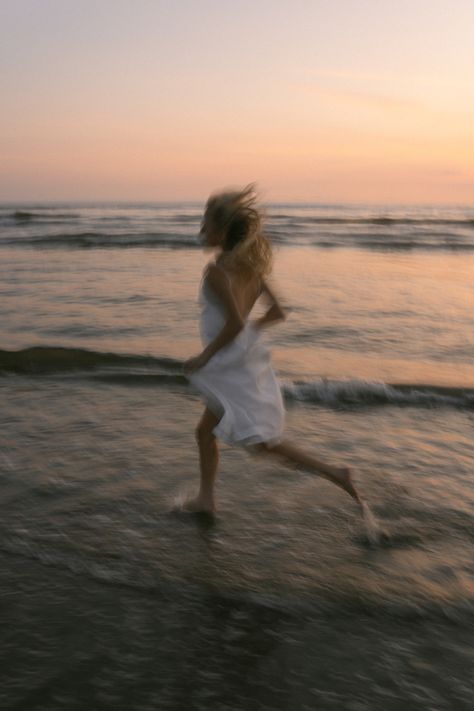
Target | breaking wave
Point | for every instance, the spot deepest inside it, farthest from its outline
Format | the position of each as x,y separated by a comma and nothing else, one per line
159,371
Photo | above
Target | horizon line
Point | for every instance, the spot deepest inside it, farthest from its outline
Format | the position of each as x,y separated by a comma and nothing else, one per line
193,201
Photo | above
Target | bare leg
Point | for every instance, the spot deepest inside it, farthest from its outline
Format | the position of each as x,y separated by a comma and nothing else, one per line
209,461
341,476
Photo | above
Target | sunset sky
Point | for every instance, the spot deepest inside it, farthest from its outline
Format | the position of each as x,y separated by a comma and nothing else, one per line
315,100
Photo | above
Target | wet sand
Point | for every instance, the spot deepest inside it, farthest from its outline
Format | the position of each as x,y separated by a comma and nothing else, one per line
111,601
70,642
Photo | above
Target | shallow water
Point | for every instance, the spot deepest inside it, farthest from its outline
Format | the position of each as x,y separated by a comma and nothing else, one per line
278,603
109,463
281,591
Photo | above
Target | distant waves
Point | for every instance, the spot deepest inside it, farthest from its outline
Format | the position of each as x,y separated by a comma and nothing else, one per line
101,240
177,226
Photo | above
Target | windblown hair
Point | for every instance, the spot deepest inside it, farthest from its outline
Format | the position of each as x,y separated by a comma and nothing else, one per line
246,249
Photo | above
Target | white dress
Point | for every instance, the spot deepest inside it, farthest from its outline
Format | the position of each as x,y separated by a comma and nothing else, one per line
238,383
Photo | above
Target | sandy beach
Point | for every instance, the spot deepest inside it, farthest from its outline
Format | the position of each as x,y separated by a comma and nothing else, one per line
72,643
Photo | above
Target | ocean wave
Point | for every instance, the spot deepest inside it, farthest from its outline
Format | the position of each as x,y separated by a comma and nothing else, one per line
66,227
385,242
377,220
186,218
146,370
145,379
100,240
408,244
28,216
50,359
175,240
359,392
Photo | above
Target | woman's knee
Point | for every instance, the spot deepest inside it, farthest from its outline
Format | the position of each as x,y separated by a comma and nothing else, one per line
204,434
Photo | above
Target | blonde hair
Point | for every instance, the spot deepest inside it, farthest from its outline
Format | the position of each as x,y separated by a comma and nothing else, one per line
246,249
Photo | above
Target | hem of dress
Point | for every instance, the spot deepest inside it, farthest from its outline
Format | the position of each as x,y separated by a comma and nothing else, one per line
249,439
223,429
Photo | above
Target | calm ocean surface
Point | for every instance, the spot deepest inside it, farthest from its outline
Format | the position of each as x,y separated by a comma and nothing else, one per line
97,311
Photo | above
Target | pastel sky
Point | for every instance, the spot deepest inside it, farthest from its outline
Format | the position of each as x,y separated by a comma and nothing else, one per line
315,100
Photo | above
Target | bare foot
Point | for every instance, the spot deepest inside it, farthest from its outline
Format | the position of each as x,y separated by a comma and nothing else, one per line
198,505
374,532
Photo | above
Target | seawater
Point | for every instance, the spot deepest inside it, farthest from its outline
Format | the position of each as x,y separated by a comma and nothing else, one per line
98,310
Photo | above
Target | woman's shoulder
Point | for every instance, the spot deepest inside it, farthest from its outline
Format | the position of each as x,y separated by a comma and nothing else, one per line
213,267
217,270
214,274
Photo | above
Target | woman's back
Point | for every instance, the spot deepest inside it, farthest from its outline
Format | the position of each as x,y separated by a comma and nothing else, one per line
213,314
246,292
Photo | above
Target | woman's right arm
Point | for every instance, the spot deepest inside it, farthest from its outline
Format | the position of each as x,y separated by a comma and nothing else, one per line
276,311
